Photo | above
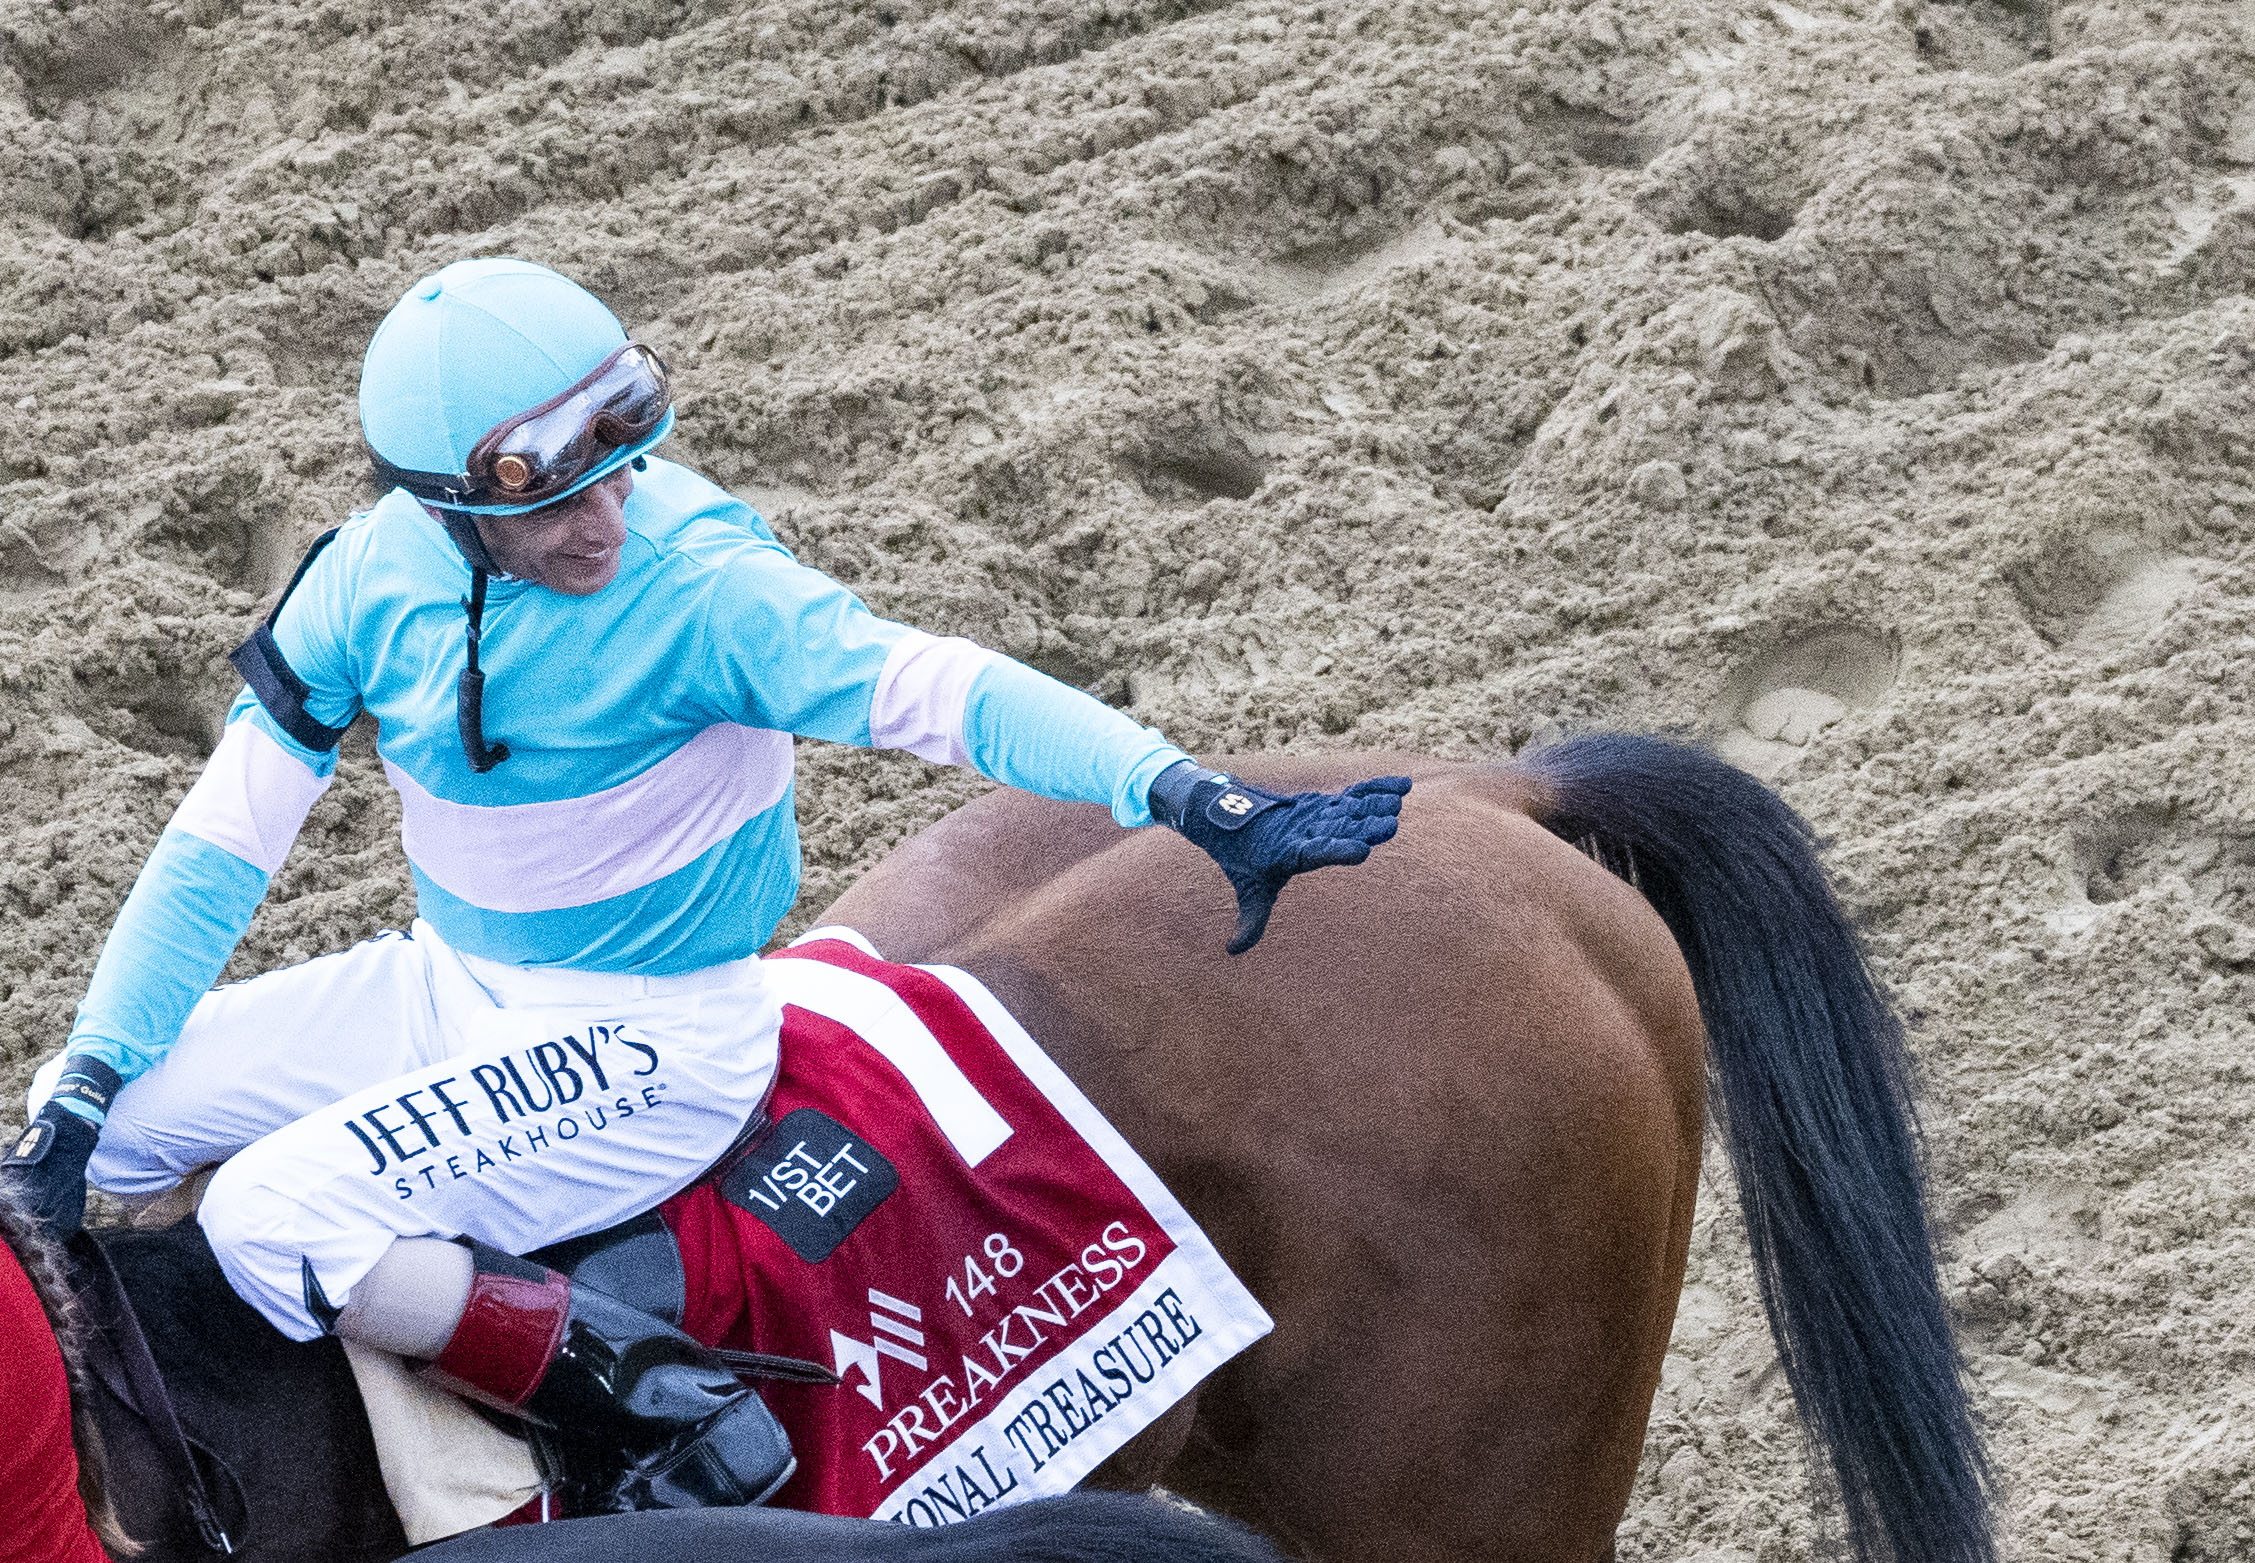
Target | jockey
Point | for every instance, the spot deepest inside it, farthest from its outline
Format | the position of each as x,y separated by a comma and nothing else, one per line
585,664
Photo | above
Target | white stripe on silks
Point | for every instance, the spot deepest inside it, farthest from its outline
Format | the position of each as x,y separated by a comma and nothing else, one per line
882,1018
544,857
921,693
252,798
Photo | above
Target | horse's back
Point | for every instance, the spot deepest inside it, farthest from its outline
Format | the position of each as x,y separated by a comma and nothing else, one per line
983,859
1445,1119
1474,926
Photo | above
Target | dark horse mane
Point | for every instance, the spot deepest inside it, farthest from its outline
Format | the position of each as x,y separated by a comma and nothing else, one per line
43,1261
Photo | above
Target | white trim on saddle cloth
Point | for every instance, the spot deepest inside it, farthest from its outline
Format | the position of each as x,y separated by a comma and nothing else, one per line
881,1018
1193,1280
544,857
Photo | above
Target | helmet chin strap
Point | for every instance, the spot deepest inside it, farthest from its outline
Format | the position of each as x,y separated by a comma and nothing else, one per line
463,528
469,690
469,693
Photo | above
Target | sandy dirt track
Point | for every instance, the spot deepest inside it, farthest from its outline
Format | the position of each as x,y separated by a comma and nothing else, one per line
1871,385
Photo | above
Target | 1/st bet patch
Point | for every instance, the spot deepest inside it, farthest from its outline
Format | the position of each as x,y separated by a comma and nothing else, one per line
811,1181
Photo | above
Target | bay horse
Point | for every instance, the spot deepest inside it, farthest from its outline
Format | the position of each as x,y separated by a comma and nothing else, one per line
1446,1120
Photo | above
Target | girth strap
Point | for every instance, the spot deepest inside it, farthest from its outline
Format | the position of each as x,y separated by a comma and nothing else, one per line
143,1392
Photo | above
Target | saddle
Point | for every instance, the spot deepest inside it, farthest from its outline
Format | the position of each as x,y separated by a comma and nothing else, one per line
639,1263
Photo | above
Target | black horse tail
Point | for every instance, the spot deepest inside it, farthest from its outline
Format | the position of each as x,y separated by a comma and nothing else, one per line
1812,1084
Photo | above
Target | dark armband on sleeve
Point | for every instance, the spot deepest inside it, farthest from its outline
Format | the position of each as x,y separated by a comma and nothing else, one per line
271,678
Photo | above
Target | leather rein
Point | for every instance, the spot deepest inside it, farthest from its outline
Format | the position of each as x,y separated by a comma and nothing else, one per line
128,1371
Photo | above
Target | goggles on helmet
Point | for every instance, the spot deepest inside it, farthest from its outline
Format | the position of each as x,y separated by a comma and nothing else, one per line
537,455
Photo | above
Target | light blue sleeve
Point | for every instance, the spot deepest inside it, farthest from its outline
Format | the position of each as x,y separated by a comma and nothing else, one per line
797,651
794,650
193,901
183,919
1027,730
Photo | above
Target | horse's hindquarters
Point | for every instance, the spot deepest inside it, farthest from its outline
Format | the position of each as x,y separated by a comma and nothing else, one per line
1445,1121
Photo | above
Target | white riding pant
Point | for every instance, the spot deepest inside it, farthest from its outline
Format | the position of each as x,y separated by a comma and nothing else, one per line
403,1089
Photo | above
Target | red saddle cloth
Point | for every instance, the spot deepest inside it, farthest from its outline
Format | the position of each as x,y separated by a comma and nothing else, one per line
1006,1289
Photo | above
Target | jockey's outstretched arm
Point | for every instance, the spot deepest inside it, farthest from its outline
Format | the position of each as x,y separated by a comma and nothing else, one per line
957,702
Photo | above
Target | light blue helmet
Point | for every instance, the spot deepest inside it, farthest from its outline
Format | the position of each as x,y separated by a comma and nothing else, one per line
472,345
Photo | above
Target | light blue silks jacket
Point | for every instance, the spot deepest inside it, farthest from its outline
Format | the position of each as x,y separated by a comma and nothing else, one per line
636,719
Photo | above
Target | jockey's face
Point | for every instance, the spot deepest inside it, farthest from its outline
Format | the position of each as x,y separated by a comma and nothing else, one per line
571,546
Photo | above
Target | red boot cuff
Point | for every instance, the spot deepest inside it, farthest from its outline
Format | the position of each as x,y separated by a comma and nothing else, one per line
509,1334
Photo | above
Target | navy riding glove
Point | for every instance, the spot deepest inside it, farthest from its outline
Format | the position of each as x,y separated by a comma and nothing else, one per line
45,1173
1262,838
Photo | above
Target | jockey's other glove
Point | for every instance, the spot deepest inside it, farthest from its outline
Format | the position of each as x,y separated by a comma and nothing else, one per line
44,1174
1263,838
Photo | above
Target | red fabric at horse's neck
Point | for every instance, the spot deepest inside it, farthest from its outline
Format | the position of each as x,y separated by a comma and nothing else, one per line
42,1519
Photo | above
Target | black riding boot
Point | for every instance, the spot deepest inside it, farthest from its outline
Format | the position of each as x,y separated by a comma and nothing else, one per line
643,1416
